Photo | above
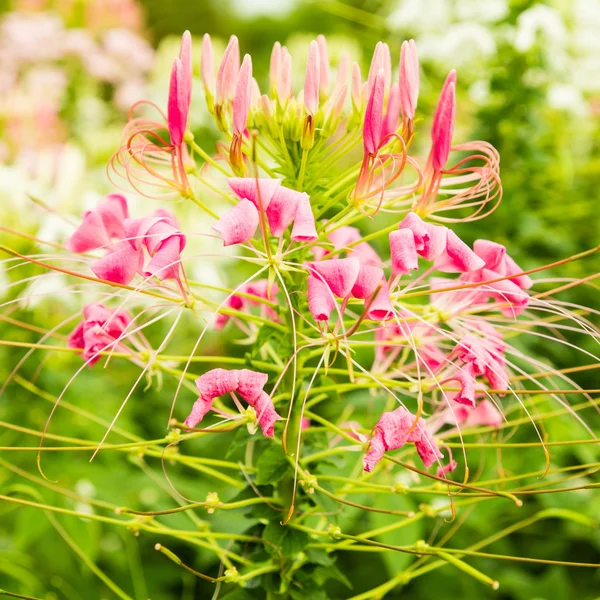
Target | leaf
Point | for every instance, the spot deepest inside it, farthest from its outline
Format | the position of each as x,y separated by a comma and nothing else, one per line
289,541
271,466
318,556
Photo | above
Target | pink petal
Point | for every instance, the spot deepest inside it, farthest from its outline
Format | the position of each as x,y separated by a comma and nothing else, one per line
178,106
443,124
304,229
409,79
239,224
113,211
430,240
374,116
466,395
258,191
266,414
199,410
375,452
428,450
445,469
381,308
493,255
523,281
312,80
228,72
343,72
403,252
484,414
340,274
321,302
76,337
207,65
367,281
185,55
378,63
356,87
241,99
120,265
458,257
282,209
323,65
284,83
250,384
366,255
216,382
91,234
392,114
165,263
275,65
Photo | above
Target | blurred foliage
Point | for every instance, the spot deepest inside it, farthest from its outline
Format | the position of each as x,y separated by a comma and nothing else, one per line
550,172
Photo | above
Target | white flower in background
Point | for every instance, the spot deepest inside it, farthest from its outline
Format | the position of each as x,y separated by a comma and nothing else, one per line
567,97
483,11
542,21
461,45
263,7
410,14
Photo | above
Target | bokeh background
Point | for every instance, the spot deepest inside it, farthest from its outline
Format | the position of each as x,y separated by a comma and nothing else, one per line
529,83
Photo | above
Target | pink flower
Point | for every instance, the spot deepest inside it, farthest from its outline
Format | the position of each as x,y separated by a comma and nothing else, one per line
248,384
430,240
466,394
396,428
99,329
409,79
485,414
443,123
101,226
313,80
258,190
304,229
180,91
340,274
239,224
511,299
120,265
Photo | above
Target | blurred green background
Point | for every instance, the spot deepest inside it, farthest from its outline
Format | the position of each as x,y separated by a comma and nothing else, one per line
529,83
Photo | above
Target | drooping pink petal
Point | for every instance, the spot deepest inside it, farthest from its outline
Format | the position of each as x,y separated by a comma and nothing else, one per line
381,308
95,340
304,229
457,257
91,234
323,65
241,99
512,300
403,252
466,394
367,281
321,302
375,452
119,265
445,469
497,260
312,81
409,79
199,410
340,274
443,124
366,255
427,449
265,413
228,72
513,269
207,65
258,190
374,116
178,106
282,209
239,224
250,384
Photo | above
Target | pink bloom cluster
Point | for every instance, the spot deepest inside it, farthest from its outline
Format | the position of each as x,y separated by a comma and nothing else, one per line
150,246
281,205
248,385
100,330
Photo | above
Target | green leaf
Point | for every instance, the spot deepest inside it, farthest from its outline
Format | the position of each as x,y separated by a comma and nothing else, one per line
271,466
318,556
